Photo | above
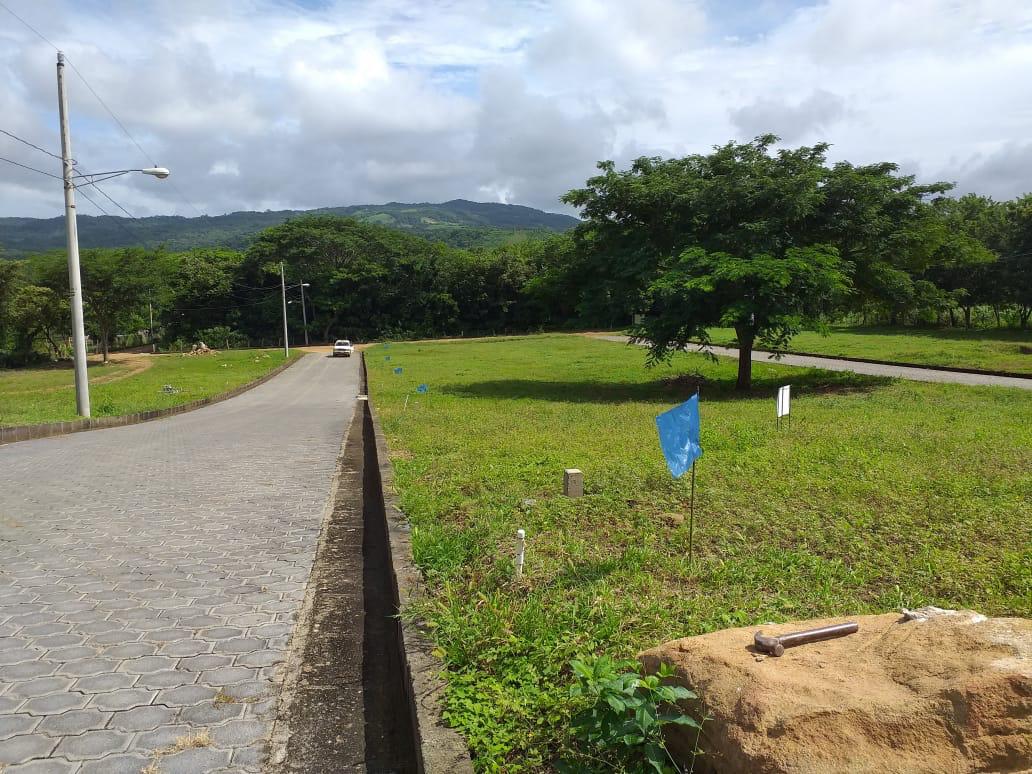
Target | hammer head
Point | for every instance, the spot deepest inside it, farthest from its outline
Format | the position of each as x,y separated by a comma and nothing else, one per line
768,644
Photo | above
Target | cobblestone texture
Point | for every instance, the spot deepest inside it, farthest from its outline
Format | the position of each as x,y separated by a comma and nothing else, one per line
150,576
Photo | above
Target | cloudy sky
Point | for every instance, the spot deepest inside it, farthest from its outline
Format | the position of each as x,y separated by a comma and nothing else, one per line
260,105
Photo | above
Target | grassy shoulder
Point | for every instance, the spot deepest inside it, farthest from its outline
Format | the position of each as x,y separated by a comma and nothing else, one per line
37,395
990,350
883,493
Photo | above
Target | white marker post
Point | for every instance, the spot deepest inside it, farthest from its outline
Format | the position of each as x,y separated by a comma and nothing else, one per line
784,404
521,549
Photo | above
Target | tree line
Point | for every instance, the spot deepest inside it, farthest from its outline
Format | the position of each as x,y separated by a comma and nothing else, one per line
765,241
364,281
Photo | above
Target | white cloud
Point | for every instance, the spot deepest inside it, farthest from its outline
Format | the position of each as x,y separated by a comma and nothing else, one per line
256,104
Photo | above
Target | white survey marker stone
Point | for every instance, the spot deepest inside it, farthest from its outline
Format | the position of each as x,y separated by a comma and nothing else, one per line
573,483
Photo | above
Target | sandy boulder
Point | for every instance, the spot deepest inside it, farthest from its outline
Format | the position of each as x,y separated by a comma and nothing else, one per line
949,693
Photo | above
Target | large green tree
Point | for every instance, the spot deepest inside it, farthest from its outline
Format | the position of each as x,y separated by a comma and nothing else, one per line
886,230
200,291
964,266
115,285
729,238
365,279
9,275
1015,276
38,313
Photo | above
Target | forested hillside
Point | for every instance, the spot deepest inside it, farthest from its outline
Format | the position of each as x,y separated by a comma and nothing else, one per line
458,223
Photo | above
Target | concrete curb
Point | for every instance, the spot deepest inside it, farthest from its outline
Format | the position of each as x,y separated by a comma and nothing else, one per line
441,750
32,432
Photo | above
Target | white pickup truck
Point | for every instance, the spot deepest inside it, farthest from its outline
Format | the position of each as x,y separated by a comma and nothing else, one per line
342,348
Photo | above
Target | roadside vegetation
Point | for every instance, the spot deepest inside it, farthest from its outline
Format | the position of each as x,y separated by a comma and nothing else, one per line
881,494
986,349
135,383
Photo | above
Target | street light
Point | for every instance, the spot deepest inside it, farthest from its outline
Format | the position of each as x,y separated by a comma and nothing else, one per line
82,387
304,312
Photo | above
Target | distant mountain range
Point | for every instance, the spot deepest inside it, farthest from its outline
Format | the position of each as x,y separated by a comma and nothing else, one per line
459,223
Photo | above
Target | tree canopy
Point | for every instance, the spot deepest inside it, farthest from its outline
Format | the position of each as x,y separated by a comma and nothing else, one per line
762,241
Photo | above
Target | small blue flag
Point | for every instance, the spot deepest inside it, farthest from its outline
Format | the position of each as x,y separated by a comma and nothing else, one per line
386,344
387,359
422,388
397,370
679,436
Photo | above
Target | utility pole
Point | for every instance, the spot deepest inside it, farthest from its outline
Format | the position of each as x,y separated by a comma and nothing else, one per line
304,312
82,386
283,289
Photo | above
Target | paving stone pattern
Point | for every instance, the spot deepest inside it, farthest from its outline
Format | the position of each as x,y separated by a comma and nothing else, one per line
150,577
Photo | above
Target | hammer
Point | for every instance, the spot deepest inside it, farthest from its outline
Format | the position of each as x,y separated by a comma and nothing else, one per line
775,646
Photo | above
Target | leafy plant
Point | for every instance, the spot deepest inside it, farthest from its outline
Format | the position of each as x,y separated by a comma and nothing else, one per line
622,726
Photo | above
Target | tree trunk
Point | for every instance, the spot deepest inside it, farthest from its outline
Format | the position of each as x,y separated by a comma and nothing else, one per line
953,318
329,327
104,344
996,314
53,345
967,316
745,346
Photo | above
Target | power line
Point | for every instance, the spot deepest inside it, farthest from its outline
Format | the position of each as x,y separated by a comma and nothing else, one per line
84,196
33,29
32,169
103,193
103,104
218,308
31,145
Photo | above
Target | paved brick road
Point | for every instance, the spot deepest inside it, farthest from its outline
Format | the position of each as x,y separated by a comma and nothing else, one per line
150,576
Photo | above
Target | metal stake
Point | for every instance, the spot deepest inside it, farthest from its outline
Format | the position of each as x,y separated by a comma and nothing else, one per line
691,519
283,288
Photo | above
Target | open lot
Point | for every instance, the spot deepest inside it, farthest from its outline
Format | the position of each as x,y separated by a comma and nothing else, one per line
882,493
991,350
128,384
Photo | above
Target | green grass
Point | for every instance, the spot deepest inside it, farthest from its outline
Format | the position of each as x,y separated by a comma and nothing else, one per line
991,350
31,396
883,493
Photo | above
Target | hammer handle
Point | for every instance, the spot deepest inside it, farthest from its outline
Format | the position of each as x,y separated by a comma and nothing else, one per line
816,635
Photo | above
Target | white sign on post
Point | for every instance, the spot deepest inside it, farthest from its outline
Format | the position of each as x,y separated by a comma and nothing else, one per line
784,398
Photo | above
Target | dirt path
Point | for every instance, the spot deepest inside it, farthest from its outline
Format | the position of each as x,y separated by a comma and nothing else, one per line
133,364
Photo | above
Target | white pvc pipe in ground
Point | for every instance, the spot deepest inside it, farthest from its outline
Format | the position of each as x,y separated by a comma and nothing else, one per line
521,548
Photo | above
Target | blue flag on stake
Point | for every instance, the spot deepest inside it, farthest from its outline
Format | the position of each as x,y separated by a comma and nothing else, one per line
397,370
422,388
679,436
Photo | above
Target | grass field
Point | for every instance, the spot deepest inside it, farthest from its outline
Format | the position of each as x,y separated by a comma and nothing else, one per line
991,350
883,493
34,395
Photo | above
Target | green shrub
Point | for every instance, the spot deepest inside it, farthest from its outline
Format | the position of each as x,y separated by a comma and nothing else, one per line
621,728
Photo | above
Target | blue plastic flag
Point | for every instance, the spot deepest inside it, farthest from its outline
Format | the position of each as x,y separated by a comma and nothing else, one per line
679,436
422,388
397,370
387,359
